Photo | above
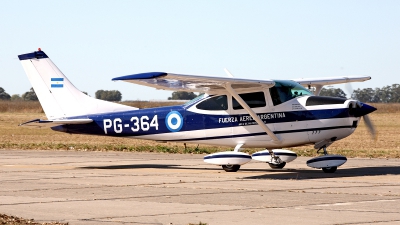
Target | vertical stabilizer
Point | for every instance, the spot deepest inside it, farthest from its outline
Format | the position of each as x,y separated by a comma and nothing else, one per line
57,95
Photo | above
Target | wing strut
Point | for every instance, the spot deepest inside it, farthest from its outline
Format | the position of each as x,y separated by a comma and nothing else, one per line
318,89
230,90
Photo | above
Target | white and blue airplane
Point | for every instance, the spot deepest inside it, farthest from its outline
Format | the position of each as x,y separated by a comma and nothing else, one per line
234,112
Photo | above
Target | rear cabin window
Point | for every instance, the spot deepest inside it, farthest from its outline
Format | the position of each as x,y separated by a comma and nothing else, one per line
253,100
214,103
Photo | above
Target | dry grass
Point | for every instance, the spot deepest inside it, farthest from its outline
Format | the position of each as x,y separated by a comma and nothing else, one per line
35,107
386,107
13,220
20,107
360,144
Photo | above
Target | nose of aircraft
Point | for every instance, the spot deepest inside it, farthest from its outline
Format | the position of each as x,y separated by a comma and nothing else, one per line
363,110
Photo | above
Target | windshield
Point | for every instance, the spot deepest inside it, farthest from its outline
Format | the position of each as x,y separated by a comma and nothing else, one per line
283,91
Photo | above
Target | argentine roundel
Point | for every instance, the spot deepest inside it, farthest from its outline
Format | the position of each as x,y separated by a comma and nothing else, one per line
174,121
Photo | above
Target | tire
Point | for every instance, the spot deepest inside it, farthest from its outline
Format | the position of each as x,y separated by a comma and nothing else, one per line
330,169
231,168
277,166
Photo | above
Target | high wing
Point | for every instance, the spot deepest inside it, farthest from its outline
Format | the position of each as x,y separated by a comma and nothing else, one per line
194,83
318,83
331,80
38,123
212,85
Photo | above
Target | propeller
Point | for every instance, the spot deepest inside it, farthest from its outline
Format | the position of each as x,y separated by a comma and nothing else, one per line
370,126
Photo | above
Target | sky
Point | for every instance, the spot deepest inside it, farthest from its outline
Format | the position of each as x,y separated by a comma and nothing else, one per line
92,42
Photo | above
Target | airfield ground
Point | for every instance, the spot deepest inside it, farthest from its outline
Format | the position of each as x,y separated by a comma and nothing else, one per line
105,180
151,188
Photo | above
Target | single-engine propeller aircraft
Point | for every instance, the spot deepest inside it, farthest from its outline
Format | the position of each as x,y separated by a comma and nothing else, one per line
240,113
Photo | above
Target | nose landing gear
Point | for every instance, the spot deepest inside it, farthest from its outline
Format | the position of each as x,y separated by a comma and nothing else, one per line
328,163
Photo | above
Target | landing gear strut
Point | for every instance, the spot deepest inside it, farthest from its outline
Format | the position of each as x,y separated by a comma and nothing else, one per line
324,149
276,161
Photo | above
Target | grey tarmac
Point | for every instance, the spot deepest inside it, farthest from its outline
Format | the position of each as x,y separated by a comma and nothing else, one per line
151,188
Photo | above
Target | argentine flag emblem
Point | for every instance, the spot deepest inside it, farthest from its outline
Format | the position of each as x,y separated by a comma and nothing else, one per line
57,82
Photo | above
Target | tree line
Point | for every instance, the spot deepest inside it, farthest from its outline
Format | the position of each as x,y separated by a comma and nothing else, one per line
30,95
27,96
386,94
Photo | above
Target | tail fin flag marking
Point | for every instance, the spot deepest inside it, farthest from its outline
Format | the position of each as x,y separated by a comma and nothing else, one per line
57,82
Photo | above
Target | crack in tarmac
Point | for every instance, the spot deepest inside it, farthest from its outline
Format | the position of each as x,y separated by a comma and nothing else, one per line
107,219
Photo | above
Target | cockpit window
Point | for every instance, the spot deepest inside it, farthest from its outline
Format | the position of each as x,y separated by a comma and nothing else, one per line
253,100
214,103
283,91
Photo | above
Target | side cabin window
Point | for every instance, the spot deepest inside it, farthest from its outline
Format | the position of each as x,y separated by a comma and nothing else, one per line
284,91
253,100
214,103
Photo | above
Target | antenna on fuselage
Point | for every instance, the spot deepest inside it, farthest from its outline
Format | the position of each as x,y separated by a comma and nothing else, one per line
227,72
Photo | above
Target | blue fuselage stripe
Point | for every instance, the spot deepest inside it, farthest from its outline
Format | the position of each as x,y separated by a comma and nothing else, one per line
130,123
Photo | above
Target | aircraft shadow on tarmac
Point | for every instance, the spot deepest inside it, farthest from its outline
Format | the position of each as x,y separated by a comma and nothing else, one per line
134,166
307,174
278,174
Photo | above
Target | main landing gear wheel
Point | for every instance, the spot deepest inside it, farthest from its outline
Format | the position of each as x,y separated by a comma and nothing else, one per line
231,168
329,169
277,166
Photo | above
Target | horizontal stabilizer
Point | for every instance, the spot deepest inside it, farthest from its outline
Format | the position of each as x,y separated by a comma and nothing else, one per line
38,123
